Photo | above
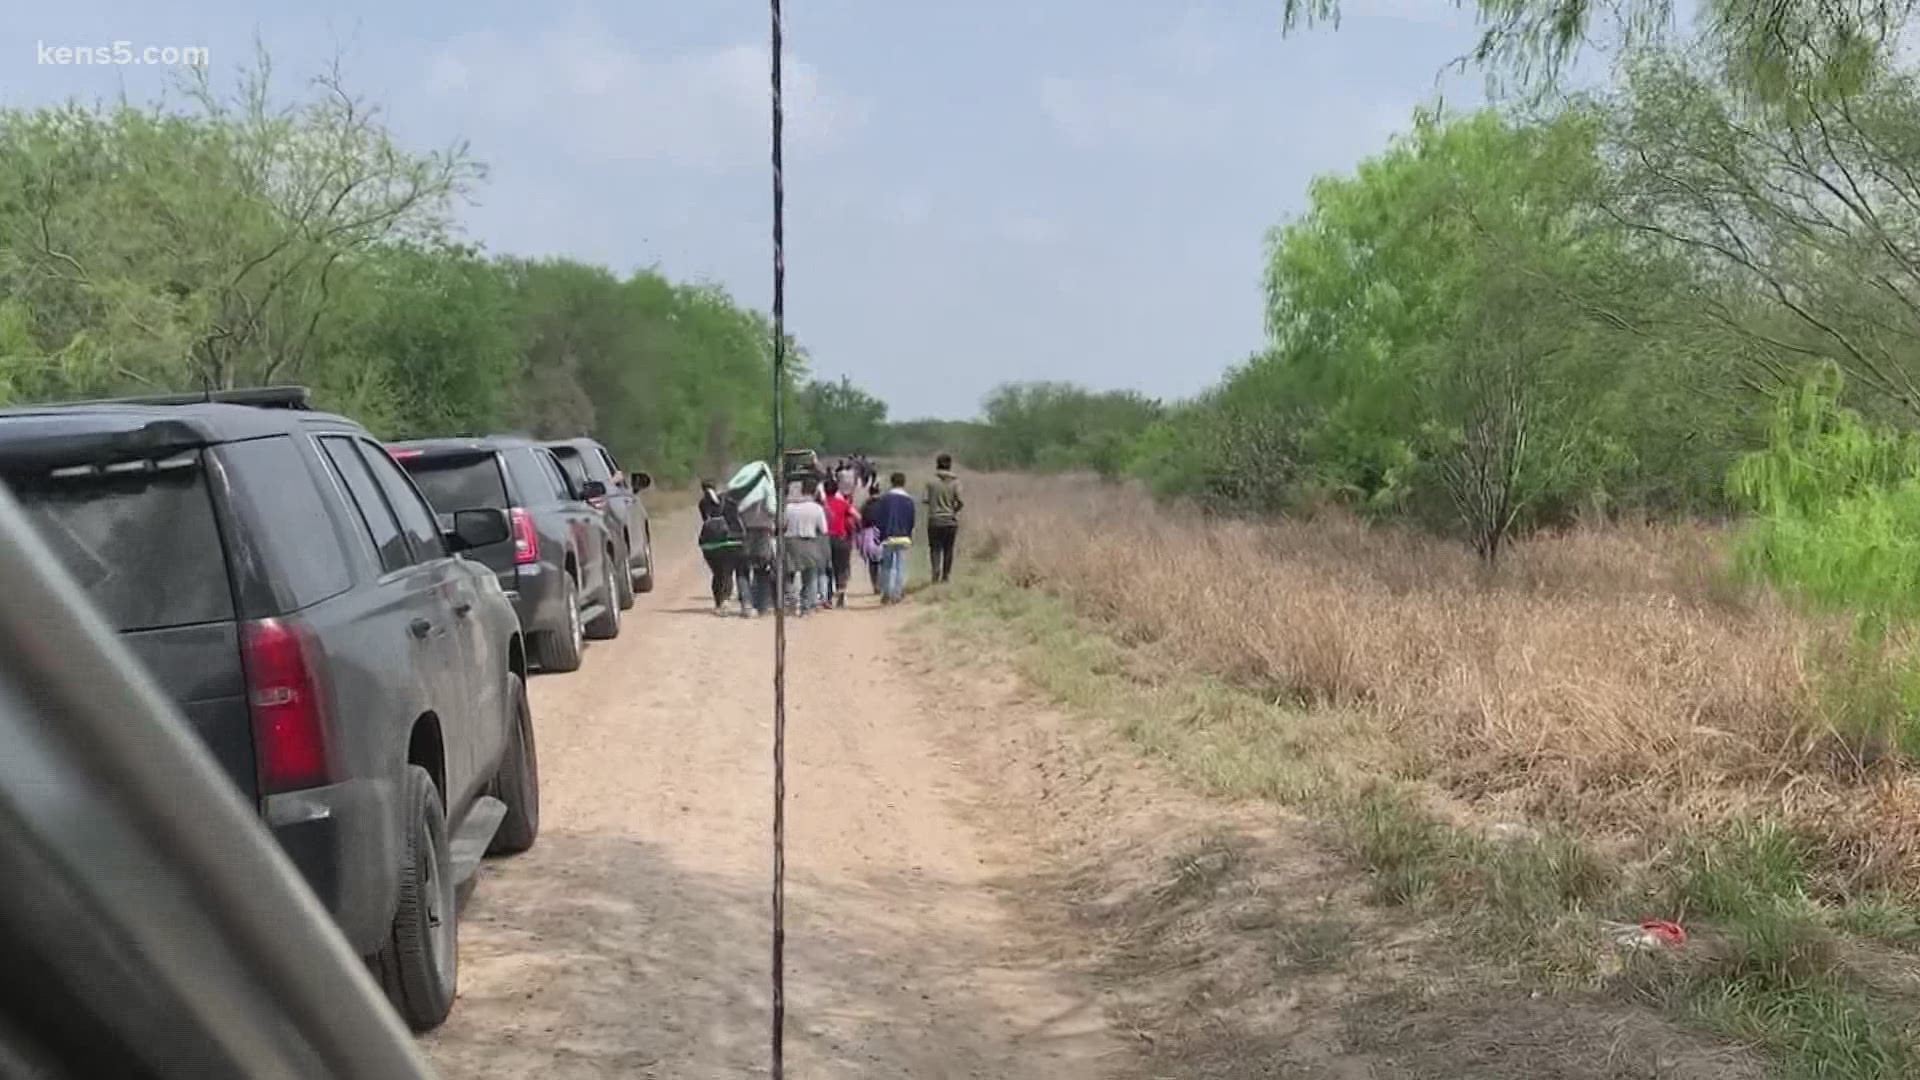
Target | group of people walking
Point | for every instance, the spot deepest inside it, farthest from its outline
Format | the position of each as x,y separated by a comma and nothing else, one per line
824,531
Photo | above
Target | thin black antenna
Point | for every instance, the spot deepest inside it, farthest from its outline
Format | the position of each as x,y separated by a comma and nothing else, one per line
779,974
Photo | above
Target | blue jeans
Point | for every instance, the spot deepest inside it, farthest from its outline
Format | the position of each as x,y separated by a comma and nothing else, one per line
893,571
803,589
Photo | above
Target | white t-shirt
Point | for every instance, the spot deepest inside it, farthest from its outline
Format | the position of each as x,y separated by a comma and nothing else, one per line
806,520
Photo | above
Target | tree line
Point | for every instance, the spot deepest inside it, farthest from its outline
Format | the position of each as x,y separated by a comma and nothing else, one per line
1589,305
231,239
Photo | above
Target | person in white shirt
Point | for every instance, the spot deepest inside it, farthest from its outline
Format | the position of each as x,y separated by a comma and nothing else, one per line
805,530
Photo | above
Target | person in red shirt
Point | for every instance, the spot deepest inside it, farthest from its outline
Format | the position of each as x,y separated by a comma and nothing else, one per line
842,522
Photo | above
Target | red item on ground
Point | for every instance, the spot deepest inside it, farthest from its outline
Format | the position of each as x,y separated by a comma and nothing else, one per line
1667,933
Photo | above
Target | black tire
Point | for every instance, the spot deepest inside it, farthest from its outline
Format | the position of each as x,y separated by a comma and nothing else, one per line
518,782
419,965
624,578
559,650
606,626
643,582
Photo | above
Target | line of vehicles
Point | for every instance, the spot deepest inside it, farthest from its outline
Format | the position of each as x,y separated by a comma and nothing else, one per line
347,627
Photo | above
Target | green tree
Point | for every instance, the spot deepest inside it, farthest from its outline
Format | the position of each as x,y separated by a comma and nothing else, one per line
840,417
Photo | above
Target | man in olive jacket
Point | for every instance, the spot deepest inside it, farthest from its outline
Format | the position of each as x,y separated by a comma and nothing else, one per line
943,516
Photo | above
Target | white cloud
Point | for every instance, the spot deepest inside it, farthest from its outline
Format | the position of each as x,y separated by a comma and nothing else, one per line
705,110
1092,113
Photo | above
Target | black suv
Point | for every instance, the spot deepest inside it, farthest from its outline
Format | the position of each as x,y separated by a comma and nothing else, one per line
587,461
558,565
286,584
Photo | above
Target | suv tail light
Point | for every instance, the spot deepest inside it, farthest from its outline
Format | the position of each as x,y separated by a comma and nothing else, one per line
289,711
598,502
526,542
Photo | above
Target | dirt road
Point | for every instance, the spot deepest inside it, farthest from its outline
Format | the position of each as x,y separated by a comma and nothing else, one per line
632,941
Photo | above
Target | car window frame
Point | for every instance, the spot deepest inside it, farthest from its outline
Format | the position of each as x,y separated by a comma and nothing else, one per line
372,452
324,442
557,472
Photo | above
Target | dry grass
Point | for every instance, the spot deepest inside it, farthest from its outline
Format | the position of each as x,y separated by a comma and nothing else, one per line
1610,681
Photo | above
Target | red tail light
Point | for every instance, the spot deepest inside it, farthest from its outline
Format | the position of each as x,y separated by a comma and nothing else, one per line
289,713
526,542
598,502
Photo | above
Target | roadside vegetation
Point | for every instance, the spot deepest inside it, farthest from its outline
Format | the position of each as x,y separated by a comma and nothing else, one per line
281,233
1559,550
1610,729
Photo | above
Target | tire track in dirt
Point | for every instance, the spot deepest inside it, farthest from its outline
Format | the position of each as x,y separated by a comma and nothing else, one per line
632,940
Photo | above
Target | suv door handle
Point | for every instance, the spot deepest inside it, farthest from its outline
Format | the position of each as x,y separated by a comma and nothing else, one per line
420,628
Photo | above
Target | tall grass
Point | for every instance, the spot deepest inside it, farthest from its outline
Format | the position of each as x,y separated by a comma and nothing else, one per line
1617,682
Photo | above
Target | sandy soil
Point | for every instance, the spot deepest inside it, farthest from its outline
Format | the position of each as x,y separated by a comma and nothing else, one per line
633,940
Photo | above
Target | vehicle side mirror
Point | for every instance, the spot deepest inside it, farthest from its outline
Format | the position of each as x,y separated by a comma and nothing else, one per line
477,529
640,481
593,489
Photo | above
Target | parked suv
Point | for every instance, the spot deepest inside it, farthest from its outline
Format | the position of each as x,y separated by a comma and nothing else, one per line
587,461
285,583
559,563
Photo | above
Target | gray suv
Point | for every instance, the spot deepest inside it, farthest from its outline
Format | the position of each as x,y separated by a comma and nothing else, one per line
587,461
358,680
560,565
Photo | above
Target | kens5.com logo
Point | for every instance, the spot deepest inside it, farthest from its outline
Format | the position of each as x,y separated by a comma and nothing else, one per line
123,53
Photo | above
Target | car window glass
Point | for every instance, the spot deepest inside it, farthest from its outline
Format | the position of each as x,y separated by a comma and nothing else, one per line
562,487
382,528
613,467
287,524
416,520
143,546
573,463
459,483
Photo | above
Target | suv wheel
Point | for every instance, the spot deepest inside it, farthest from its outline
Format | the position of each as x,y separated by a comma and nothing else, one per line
420,962
644,582
623,578
607,625
559,650
518,782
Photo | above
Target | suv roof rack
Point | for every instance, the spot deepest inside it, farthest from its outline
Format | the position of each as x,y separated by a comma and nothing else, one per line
264,397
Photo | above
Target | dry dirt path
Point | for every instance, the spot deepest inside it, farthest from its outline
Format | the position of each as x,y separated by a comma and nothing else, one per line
632,941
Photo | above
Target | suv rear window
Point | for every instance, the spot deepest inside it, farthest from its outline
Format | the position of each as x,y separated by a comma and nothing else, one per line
143,545
458,483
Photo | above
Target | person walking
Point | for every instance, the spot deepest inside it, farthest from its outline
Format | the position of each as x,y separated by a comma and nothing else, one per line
805,530
893,515
723,545
752,492
943,516
869,538
841,523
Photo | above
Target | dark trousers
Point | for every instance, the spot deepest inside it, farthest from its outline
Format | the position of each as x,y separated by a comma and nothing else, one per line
727,566
841,550
940,540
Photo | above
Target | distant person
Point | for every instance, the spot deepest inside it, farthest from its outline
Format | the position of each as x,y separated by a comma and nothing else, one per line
869,538
752,491
893,516
805,530
842,521
943,516
723,540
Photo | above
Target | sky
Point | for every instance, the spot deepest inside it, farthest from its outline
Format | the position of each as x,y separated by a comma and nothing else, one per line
976,193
